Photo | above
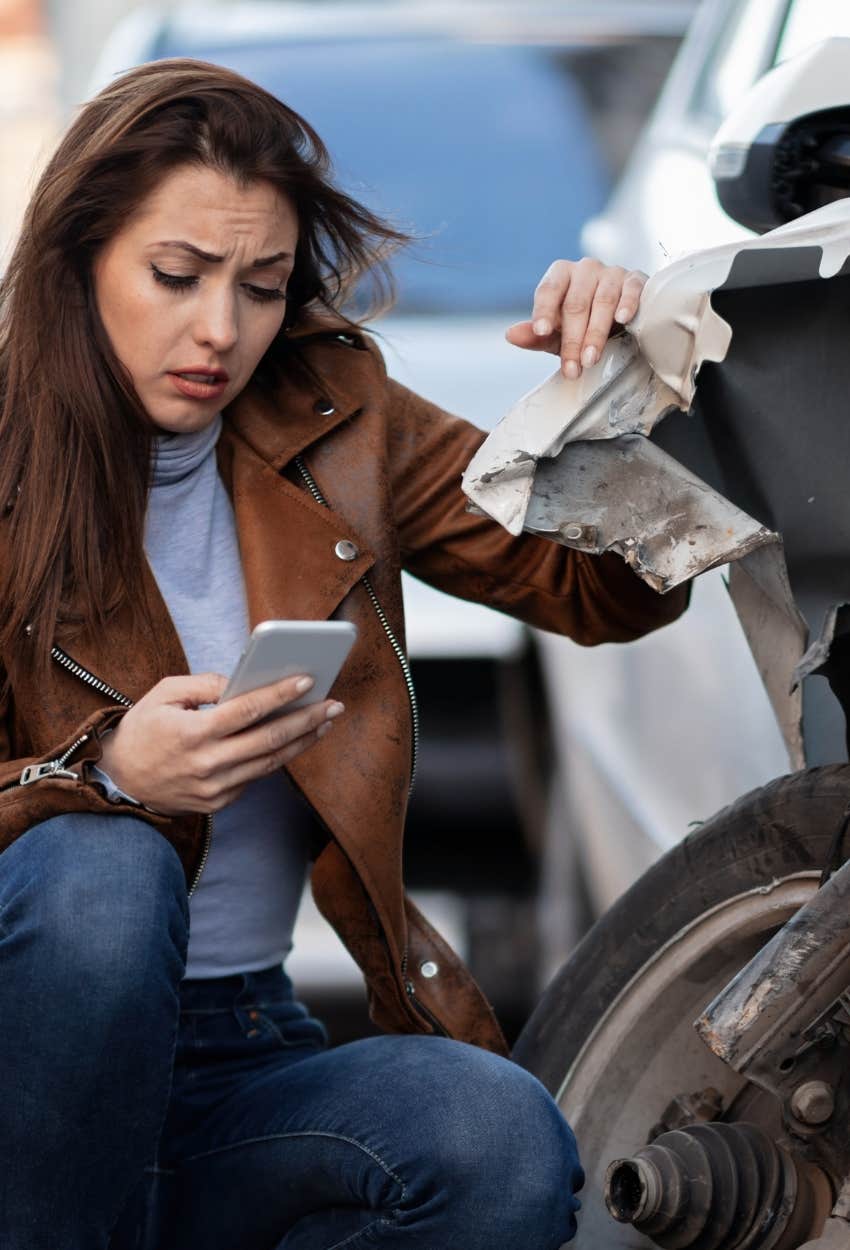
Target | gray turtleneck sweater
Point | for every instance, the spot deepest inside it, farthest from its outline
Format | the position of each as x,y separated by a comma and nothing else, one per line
244,908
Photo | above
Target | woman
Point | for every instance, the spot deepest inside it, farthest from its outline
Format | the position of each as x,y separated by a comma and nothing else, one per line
193,440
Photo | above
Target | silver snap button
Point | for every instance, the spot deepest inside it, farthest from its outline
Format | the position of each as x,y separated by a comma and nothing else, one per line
429,969
346,550
324,407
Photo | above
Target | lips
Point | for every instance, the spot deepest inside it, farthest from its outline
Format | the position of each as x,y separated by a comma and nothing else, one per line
199,383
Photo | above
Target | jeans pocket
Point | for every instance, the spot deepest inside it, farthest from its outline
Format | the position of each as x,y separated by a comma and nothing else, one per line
288,1024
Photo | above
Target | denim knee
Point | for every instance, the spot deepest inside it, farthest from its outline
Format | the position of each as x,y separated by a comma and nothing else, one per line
101,898
500,1146
503,1141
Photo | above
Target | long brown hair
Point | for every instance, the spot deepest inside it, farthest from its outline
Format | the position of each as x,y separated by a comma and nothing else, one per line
75,442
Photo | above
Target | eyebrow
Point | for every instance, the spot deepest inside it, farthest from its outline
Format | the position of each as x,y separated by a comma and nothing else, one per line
260,263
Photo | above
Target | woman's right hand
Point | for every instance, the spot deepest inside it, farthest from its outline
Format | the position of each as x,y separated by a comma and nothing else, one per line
175,755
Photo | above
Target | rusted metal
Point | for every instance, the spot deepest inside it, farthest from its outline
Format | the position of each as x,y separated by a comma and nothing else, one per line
781,1023
777,1009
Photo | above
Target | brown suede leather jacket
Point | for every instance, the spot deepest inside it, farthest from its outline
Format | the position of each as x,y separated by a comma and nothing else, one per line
388,464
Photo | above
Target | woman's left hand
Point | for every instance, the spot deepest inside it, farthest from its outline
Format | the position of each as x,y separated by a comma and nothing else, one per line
576,305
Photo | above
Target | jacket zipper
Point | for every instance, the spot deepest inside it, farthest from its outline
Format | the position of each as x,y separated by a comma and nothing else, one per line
56,768
53,768
410,991
398,650
312,486
67,662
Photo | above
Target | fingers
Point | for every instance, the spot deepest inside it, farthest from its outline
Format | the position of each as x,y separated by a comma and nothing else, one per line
213,759
576,305
239,713
549,298
215,767
275,735
633,286
522,335
606,300
230,783
175,755
582,284
191,691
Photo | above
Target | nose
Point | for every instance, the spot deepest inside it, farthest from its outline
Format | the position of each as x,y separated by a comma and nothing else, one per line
216,322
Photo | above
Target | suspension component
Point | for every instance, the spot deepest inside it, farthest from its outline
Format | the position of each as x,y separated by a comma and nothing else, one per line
719,1185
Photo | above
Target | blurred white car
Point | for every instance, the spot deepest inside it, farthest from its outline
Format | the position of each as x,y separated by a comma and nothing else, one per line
665,203
661,735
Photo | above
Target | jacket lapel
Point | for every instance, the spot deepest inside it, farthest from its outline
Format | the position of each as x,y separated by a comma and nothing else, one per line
288,542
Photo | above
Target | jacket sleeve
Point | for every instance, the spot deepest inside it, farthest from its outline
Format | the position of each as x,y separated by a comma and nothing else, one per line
35,788
592,599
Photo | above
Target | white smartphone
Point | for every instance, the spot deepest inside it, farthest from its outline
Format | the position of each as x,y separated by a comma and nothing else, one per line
278,649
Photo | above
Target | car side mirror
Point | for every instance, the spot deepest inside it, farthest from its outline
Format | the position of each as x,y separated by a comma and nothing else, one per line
784,150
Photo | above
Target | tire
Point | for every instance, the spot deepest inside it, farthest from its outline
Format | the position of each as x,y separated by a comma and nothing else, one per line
612,1036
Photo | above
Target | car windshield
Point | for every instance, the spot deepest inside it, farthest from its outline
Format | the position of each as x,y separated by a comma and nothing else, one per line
484,151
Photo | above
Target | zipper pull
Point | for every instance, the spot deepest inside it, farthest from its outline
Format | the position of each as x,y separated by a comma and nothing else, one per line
53,768
35,772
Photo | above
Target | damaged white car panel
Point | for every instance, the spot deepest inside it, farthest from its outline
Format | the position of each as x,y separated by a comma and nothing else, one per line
573,459
627,495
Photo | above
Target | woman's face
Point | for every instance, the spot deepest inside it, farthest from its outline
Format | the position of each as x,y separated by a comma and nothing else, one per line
191,291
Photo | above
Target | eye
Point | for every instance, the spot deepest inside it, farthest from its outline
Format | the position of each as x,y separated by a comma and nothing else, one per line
176,282
182,282
262,294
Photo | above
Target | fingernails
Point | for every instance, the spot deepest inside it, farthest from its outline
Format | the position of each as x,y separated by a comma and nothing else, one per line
303,684
542,326
588,357
335,709
323,729
622,315
571,370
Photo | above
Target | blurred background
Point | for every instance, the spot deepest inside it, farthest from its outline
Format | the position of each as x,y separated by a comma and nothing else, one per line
504,135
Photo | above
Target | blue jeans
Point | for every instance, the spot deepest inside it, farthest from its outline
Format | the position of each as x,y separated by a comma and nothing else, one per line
141,1111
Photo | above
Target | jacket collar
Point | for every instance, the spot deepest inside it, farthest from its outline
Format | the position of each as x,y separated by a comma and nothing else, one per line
330,377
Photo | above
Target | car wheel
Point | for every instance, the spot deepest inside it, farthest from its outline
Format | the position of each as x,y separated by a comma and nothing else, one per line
612,1037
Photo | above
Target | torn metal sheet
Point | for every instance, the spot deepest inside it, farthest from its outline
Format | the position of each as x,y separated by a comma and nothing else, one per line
620,395
757,457
629,496
829,657
777,634
816,660
647,372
